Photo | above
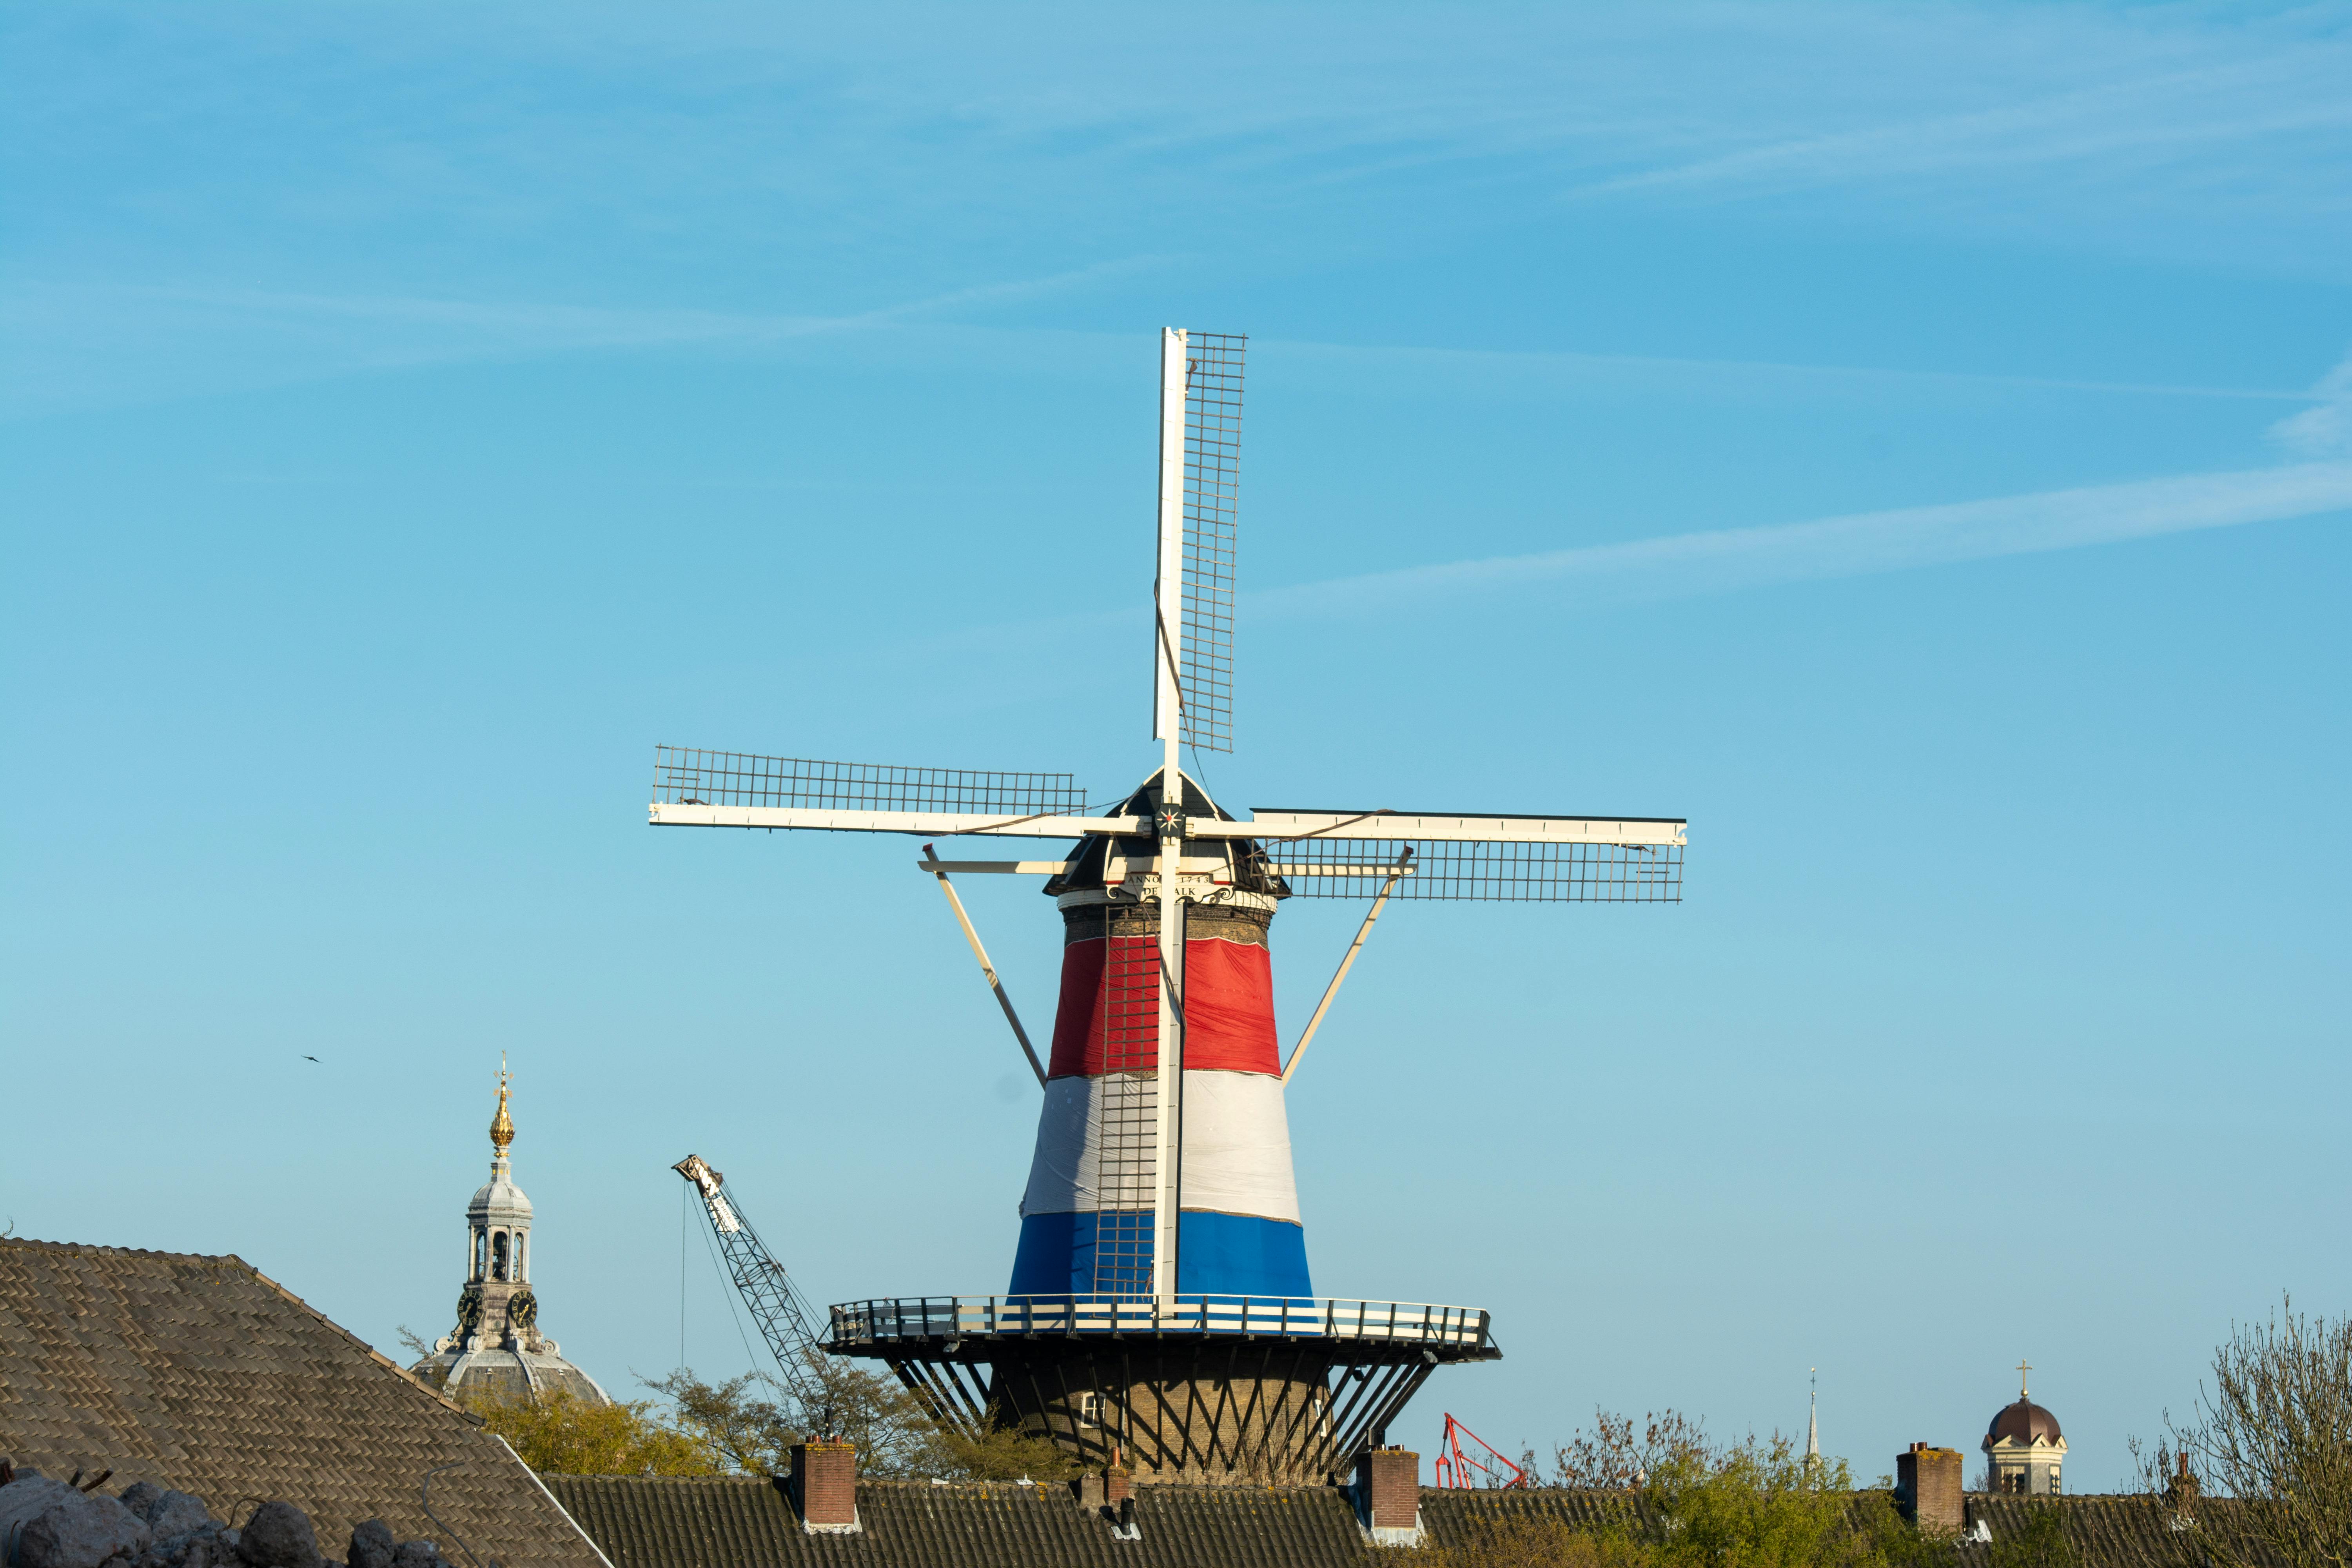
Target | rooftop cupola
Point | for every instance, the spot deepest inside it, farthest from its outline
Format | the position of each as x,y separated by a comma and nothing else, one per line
497,1347
2023,1446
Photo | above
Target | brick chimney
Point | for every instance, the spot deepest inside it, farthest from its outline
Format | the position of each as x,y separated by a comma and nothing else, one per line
2180,1490
1118,1484
1388,1495
1928,1488
825,1485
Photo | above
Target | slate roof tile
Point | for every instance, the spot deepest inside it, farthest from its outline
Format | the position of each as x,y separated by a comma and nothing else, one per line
746,1523
203,1374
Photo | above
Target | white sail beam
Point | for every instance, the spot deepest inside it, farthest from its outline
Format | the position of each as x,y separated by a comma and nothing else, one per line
939,868
1168,603
930,824
1273,826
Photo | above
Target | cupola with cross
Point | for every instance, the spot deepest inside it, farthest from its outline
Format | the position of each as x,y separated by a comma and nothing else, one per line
2024,1448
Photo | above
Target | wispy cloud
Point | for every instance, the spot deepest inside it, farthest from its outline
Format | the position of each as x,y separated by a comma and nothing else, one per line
83,346
494,326
2159,116
1867,542
1506,371
2326,430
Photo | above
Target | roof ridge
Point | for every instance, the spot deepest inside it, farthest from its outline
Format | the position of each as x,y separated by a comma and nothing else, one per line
81,1248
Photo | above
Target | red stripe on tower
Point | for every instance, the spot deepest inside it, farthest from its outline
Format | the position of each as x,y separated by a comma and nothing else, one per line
1228,1007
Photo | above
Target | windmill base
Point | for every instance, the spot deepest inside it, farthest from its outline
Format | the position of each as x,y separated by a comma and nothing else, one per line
1205,1411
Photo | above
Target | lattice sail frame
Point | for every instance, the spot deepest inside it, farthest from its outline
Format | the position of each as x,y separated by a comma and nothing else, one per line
1127,1109
1489,870
686,776
1212,457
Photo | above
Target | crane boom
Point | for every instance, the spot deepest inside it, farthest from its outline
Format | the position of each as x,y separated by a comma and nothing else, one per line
765,1287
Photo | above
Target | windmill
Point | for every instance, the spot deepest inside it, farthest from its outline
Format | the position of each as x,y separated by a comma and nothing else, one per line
1160,1306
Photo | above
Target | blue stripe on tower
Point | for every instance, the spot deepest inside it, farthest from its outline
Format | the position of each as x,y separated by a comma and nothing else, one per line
1216,1255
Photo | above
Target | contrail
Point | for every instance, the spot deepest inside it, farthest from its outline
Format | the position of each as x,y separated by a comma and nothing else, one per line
1686,564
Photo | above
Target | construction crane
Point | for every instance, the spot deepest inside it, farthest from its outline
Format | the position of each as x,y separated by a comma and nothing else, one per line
766,1288
1455,1463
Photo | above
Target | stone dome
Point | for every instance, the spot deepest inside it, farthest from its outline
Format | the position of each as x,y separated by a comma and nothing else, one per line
498,1201
510,1375
2023,1422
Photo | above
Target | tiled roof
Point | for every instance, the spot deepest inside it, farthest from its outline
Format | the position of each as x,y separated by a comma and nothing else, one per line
2124,1531
738,1523
202,1375
732,1522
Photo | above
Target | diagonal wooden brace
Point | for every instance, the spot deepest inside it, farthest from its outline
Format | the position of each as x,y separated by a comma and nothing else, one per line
1003,997
1403,865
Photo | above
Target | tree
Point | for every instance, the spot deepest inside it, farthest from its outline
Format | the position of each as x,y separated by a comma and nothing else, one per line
754,1435
894,1434
1758,1503
1611,1457
2271,1438
1002,1453
566,1436
743,1434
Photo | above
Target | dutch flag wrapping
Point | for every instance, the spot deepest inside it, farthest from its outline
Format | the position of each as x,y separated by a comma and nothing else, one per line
1085,1227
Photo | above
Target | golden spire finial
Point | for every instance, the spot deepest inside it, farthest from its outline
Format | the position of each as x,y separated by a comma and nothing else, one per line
502,1125
2022,1368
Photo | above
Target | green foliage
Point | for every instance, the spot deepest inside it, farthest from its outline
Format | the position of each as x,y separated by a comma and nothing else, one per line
1615,1457
754,1435
745,1434
1894,1541
1755,1504
1004,1455
2259,1476
1758,1503
728,1428
894,1435
566,1436
2042,1543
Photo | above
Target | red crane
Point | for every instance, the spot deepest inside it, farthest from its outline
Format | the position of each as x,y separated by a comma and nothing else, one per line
1454,1464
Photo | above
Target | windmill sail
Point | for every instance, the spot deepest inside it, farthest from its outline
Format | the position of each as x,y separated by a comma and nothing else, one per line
685,776
1456,856
1212,464
1504,870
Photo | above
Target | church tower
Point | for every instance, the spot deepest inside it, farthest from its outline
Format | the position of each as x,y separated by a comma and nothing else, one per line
496,1348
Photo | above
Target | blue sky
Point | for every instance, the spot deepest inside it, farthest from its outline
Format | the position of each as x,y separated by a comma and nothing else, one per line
1913,442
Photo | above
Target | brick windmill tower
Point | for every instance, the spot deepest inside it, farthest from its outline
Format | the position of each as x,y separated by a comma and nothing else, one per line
1160,1306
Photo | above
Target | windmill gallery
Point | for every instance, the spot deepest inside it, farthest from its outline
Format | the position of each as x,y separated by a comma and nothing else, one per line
1161,1305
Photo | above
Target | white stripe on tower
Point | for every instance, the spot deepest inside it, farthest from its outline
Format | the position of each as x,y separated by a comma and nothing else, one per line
1236,1148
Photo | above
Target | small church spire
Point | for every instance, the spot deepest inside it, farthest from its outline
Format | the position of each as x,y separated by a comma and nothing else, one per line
1814,1421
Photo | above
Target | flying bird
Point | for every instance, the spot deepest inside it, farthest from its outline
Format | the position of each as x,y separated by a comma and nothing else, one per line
310,1059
